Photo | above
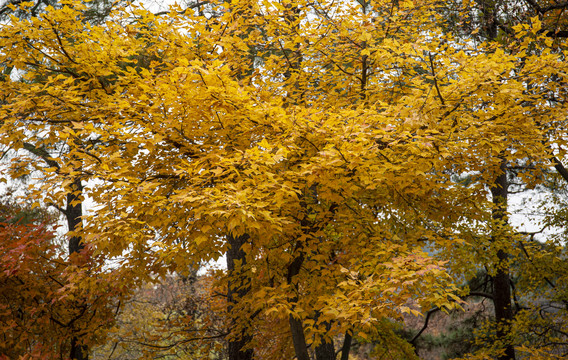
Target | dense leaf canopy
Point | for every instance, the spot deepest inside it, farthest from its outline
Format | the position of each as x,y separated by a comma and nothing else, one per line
346,155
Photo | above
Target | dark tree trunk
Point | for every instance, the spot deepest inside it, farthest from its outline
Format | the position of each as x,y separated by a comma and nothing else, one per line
501,280
236,290
296,326
73,214
489,18
325,351
299,338
78,352
499,193
346,348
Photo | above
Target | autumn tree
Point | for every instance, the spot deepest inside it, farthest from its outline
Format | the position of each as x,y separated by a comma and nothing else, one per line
289,224
37,154
40,288
526,158
327,165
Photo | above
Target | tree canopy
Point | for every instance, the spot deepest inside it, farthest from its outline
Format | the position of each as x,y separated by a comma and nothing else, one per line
352,161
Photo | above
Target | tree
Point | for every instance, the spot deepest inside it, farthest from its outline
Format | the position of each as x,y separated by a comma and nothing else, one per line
297,160
40,289
327,169
42,154
511,29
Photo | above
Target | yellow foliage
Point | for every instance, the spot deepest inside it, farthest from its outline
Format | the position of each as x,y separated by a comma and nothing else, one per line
324,132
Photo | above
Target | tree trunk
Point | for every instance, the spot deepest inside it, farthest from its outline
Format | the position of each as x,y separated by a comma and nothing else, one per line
499,193
299,338
78,352
236,290
501,280
325,351
346,348
73,214
296,326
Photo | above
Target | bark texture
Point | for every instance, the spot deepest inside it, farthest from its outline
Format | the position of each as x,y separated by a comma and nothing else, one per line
73,214
236,290
501,279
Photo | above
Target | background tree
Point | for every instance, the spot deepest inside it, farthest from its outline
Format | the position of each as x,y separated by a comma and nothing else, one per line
498,25
40,288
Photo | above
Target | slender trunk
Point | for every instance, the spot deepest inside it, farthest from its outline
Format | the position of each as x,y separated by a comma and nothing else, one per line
294,96
364,74
501,280
326,350
78,352
489,18
364,63
73,214
296,326
237,289
298,338
346,348
499,193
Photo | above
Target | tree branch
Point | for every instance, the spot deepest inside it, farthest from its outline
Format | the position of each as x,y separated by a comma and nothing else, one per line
43,154
436,309
192,6
560,168
425,326
435,79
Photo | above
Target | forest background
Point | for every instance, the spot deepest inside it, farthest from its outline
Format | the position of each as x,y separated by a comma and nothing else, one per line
353,161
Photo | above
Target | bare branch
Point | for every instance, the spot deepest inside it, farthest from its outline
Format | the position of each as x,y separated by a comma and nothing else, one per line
192,6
